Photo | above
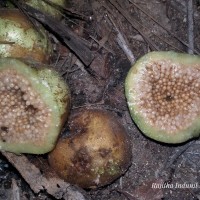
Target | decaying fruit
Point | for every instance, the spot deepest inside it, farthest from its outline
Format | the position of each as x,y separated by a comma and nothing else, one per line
47,8
163,94
34,104
20,39
96,151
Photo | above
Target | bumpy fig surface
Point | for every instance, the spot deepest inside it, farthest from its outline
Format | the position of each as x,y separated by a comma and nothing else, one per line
47,8
20,39
163,95
96,152
34,104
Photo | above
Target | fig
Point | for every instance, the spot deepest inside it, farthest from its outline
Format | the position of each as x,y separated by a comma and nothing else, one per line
46,7
163,95
95,152
34,104
20,39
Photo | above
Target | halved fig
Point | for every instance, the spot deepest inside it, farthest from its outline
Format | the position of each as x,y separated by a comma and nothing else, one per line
34,104
20,39
96,151
163,94
48,8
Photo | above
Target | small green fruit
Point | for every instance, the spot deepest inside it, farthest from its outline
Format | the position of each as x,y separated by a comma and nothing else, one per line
163,94
47,8
96,152
34,104
20,39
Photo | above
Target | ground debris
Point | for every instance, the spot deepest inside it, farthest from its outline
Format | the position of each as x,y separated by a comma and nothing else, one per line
144,24
145,191
38,181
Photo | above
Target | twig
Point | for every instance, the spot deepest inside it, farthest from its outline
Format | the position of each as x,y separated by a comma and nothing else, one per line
190,22
127,194
134,23
181,6
99,105
175,155
15,190
38,182
165,28
6,42
122,43
64,10
57,59
102,42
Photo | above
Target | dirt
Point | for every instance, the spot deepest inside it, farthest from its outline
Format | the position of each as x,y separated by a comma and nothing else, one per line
102,85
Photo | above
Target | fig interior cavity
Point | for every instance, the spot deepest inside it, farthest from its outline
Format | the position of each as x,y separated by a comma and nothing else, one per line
171,95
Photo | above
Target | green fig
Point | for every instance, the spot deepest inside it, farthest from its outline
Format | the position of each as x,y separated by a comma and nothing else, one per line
20,39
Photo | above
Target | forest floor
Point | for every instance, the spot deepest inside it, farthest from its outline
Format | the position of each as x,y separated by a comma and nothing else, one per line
118,33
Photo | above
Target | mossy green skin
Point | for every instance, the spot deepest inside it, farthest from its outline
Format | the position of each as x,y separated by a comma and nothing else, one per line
20,39
53,91
131,83
46,8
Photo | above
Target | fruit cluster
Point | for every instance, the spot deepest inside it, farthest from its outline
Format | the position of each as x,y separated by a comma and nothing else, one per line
33,100
35,104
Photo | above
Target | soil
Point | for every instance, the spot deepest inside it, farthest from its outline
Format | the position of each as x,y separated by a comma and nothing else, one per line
101,85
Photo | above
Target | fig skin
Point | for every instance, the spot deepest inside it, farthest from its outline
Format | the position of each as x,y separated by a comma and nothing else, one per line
20,39
95,153
46,8
179,61
54,93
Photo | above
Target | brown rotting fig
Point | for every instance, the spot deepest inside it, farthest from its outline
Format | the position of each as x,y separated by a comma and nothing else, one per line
34,104
96,152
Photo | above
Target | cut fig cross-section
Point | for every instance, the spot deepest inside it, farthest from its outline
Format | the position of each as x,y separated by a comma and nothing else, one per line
34,105
163,95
